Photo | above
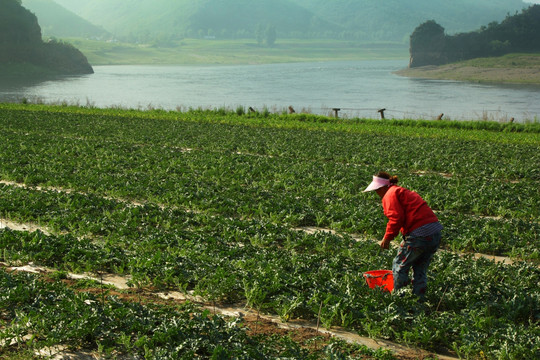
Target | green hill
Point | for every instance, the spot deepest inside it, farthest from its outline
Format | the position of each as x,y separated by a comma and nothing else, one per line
57,21
363,20
22,49
137,20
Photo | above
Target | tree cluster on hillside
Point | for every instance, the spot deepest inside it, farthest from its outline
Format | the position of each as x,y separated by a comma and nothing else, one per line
266,35
429,45
21,42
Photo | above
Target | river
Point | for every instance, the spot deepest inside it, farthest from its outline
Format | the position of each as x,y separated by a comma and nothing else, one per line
358,88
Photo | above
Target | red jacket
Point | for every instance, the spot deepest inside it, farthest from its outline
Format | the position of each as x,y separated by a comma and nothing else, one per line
406,211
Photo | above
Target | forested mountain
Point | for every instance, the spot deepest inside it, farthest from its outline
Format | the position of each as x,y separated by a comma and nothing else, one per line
21,43
364,20
56,21
395,19
430,45
139,20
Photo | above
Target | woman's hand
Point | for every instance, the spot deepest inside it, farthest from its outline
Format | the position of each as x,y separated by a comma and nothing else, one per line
384,244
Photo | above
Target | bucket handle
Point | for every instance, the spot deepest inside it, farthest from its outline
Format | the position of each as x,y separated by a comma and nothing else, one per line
377,276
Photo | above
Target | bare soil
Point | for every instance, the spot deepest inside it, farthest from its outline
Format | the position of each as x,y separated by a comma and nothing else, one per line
461,72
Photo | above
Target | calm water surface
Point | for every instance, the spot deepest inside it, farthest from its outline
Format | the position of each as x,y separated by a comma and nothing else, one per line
359,88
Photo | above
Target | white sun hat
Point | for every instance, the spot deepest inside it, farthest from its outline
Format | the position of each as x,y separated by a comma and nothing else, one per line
377,183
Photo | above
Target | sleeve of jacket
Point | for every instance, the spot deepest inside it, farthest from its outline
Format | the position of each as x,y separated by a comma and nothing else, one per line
395,214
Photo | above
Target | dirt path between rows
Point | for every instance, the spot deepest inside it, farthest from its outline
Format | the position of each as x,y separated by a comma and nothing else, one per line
5,223
262,323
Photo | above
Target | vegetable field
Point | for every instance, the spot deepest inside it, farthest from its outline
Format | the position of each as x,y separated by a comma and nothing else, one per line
214,203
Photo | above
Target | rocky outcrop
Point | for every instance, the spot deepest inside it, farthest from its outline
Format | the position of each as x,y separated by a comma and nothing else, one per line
21,42
427,45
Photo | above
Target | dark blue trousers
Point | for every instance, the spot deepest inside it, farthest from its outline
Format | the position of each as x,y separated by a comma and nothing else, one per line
415,253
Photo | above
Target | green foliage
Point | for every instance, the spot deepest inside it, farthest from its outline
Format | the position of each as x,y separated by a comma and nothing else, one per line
427,45
259,34
56,315
271,35
208,201
516,33
240,110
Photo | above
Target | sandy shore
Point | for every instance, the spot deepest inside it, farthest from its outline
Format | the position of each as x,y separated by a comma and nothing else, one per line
511,72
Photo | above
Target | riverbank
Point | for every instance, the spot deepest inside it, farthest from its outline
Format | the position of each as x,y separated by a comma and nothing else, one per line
508,69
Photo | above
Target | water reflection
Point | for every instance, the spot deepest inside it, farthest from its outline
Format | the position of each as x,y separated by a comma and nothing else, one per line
15,89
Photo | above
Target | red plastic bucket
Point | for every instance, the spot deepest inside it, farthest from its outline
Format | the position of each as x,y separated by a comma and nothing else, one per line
380,278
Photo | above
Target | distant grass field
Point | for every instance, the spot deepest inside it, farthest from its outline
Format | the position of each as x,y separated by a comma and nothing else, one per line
511,68
230,52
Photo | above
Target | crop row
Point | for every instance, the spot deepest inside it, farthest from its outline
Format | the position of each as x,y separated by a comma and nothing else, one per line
298,191
53,314
87,214
282,189
465,153
472,305
175,176
133,150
